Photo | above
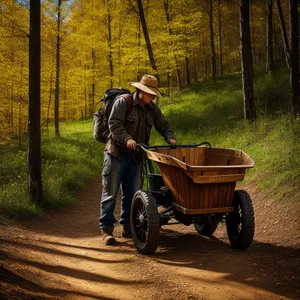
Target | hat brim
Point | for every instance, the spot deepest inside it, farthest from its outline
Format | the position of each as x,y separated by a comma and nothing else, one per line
147,89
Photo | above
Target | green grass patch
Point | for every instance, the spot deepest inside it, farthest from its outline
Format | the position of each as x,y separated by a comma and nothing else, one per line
68,163
214,113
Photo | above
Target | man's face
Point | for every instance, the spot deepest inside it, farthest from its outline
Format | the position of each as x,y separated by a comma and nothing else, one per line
145,98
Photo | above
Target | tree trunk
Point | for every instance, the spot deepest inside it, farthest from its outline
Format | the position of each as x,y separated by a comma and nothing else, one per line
34,107
284,35
92,95
138,76
19,123
253,32
110,58
50,97
85,93
246,62
294,40
178,74
195,66
270,59
147,38
187,69
212,43
92,103
220,39
58,39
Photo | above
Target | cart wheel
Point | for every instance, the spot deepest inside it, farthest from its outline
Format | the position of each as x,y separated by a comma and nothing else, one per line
144,222
207,229
240,222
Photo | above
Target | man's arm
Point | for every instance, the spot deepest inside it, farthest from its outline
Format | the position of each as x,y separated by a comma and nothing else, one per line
162,126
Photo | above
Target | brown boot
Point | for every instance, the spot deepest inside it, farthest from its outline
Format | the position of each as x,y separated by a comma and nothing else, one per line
108,237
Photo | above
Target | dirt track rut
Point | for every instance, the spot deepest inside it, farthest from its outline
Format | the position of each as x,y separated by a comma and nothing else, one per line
61,256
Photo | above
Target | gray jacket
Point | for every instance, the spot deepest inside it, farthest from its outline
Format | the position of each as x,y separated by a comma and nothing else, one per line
136,125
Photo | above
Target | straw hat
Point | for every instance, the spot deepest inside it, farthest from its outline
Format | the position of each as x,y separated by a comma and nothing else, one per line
147,84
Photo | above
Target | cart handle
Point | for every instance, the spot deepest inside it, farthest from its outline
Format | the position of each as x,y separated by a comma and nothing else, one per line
143,146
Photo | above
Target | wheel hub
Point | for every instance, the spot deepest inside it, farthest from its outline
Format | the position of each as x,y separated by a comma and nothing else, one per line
141,219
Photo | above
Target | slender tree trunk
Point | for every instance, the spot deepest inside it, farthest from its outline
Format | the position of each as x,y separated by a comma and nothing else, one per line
284,35
92,103
58,39
19,107
178,74
85,93
20,123
220,39
110,57
34,109
294,40
65,116
147,38
212,43
253,32
169,82
270,59
92,95
138,77
12,90
246,62
195,66
50,97
187,69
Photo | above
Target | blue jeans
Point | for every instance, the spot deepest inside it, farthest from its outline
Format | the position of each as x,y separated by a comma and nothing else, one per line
127,172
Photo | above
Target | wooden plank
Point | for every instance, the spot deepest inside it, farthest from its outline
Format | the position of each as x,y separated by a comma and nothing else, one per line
185,182
189,211
207,196
215,194
230,193
203,196
218,178
192,189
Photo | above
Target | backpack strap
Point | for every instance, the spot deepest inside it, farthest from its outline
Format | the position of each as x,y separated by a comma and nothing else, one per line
129,100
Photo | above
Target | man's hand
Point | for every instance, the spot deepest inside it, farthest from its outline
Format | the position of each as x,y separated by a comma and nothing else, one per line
173,142
131,144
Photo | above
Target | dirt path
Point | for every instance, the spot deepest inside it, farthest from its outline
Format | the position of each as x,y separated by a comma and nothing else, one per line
62,257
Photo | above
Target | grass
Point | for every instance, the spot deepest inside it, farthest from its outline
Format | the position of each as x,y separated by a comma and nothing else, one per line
214,112
68,163
205,112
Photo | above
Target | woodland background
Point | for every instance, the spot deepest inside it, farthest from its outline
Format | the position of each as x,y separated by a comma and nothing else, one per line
88,46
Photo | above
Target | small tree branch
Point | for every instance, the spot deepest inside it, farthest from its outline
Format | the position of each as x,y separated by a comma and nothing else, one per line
18,27
132,6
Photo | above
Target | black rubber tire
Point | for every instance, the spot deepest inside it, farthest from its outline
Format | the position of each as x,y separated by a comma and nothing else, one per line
207,229
144,222
240,223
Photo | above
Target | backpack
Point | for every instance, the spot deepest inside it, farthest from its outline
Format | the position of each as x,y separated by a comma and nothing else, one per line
101,130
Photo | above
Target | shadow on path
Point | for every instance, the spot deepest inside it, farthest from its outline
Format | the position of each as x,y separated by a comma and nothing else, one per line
256,266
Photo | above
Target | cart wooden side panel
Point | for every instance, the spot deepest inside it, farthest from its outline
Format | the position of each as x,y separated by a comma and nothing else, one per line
202,180
193,198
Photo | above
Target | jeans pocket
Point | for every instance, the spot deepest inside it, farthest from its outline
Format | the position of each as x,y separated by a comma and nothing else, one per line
106,174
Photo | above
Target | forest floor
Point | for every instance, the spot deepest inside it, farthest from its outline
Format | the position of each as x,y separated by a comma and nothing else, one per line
62,256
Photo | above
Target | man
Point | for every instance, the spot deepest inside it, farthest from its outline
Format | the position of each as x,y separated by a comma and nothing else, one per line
122,163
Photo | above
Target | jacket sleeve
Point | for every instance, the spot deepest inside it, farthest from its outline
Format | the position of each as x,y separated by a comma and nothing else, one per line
116,121
162,125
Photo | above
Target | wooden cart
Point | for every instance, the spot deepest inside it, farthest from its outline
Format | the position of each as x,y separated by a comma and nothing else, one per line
196,185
